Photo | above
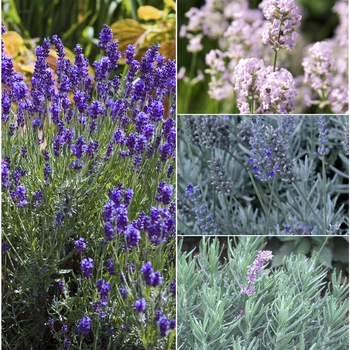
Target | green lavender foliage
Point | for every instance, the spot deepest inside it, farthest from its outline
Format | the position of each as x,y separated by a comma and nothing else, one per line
240,212
286,311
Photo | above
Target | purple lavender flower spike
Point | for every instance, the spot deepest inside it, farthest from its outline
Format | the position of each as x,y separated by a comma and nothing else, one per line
87,266
106,36
163,326
110,267
84,326
123,292
322,136
140,305
165,193
62,285
132,236
81,245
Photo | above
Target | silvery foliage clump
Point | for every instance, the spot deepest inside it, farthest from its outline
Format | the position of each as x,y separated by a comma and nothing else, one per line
285,311
273,169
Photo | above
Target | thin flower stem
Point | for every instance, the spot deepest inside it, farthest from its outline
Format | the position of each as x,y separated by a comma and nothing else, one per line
324,194
214,190
308,203
270,204
274,61
189,86
323,245
280,205
194,164
230,209
257,192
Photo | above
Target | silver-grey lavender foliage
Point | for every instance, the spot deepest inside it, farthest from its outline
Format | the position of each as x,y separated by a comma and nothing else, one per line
288,143
286,311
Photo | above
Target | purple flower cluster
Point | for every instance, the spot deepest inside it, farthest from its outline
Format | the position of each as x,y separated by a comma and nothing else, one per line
140,305
116,213
110,267
62,285
103,288
263,257
81,245
84,326
87,266
165,193
299,228
132,235
152,278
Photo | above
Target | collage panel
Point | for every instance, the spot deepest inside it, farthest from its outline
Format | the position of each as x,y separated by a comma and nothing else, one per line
175,175
270,56
251,293
263,175
88,170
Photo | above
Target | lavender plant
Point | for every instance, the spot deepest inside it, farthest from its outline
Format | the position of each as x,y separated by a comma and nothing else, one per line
250,67
88,212
290,307
284,175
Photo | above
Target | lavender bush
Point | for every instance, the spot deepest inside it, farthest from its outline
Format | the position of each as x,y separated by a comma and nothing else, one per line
88,212
290,307
249,54
281,175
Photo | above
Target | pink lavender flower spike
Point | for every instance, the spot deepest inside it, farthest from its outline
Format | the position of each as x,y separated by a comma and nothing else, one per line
263,257
283,17
262,89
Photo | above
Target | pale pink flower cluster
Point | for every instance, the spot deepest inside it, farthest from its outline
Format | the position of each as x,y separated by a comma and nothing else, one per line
283,17
263,257
341,8
322,74
318,66
261,90
238,31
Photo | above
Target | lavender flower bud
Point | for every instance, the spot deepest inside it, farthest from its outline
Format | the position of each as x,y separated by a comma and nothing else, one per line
203,215
322,135
221,180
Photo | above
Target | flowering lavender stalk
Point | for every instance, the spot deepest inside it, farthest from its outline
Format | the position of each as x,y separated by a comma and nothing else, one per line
263,257
283,17
84,327
322,136
268,150
203,215
221,180
87,266
262,89
323,152
346,138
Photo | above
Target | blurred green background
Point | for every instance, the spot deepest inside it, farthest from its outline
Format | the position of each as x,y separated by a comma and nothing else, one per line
74,21
318,23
